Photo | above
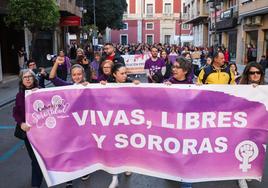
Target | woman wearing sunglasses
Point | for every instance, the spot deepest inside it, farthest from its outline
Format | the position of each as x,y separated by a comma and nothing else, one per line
253,74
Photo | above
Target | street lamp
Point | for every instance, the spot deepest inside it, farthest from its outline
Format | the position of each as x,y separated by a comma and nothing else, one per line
94,22
180,29
84,11
215,5
94,12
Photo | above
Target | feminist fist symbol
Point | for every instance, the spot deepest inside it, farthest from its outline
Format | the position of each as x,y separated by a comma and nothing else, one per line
246,152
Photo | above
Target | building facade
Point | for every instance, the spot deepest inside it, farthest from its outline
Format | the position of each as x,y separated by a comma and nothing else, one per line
253,29
12,40
152,21
198,13
223,26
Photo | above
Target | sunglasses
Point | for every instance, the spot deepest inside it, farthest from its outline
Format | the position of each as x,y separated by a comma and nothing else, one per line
254,72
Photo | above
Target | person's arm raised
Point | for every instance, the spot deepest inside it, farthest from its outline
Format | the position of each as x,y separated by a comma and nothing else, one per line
53,72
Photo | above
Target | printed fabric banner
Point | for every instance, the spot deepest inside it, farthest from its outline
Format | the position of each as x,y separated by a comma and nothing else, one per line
184,133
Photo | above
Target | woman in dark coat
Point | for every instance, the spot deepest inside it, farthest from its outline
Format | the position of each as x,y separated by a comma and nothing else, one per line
27,81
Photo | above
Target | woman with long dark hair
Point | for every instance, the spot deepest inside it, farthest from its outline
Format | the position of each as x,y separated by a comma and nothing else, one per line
164,56
253,74
119,73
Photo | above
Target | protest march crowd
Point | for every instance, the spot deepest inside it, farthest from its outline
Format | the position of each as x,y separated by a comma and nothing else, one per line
166,64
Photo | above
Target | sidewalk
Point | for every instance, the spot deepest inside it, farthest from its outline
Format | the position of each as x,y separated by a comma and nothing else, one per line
9,87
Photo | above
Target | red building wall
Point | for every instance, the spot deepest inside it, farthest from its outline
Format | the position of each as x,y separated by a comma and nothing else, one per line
132,6
176,6
158,6
131,32
155,31
132,24
183,31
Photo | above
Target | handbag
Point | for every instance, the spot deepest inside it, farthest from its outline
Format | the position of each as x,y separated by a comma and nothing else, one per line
19,133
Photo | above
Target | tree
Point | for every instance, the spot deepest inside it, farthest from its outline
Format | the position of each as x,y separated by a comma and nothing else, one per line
36,15
109,13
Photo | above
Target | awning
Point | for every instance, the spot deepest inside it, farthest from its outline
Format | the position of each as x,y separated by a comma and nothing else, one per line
70,21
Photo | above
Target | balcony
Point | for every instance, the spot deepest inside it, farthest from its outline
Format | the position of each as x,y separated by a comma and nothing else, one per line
184,16
247,6
69,7
198,13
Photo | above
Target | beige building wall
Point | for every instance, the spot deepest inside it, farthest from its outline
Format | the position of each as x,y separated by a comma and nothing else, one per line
260,31
243,39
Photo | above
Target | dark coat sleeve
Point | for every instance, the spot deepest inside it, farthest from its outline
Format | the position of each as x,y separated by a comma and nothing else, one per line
19,108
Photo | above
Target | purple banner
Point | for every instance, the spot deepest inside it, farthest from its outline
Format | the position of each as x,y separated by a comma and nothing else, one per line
184,133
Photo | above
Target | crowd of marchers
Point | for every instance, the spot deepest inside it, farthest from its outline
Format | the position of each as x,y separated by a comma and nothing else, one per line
166,64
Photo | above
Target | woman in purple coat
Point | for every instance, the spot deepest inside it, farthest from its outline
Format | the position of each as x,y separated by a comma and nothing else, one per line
77,74
78,77
181,68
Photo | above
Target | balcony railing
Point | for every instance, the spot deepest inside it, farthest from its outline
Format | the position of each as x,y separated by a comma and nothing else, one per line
185,16
249,6
199,11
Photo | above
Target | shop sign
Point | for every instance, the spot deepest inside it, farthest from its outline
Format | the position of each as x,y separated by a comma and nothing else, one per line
227,14
70,21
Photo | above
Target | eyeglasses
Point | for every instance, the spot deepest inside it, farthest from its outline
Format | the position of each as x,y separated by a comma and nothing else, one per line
27,77
254,72
107,67
176,67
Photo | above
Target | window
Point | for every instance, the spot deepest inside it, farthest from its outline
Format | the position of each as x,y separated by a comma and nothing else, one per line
231,3
185,26
167,8
58,2
167,39
149,9
149,39
124,39
149,26
125,26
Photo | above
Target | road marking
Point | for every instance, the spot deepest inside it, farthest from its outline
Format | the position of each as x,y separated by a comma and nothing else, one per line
6,127
10,152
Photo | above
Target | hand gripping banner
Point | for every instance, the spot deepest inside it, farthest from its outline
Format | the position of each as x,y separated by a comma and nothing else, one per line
184,133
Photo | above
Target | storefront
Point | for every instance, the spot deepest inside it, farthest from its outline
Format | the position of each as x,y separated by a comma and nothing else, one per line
227,32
